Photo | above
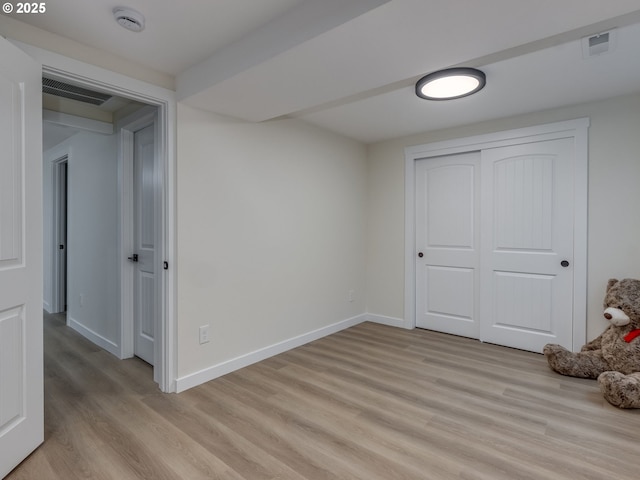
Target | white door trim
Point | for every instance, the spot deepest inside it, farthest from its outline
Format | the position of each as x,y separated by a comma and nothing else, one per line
68,69
576,129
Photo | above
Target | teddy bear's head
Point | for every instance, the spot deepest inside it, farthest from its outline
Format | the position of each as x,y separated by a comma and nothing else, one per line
622,302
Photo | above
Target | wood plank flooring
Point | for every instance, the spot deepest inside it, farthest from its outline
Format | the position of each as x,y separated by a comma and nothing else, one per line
371,402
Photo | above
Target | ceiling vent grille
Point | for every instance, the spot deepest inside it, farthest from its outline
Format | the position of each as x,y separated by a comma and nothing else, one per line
599,44
60,89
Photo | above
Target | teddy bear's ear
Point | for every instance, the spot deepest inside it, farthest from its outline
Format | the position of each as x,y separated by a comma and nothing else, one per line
611,283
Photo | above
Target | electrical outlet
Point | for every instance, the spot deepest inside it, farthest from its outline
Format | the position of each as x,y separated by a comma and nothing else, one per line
204,334
351,295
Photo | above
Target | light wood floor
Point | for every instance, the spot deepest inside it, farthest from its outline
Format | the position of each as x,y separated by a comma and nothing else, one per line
371,402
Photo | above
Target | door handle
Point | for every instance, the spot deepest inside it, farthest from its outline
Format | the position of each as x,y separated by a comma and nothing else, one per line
133,258
564,263
420,254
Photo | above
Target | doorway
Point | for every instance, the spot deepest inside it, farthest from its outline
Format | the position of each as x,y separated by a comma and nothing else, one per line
103,163
163,101
60,227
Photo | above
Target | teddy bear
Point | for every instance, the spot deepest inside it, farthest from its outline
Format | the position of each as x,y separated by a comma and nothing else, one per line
614,356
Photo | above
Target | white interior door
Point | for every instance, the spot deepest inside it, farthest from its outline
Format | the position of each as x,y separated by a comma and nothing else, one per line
145,226
527,234
21,375
494,238
448,240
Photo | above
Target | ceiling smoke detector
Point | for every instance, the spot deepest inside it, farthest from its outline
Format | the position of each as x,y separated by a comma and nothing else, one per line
129,18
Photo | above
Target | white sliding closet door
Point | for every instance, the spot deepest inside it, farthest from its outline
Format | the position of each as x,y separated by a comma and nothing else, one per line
447,212
494,244
527,244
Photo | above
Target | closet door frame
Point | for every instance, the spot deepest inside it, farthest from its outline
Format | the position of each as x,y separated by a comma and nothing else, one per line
576,129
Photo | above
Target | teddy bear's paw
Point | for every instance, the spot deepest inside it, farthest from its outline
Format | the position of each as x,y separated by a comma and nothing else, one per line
557,356
620,390
552,348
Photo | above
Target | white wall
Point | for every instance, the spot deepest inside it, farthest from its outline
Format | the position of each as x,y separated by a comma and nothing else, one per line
614,225
92,235
271,234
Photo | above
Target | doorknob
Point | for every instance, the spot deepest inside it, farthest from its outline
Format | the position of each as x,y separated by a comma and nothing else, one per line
133,258
564,263
420,254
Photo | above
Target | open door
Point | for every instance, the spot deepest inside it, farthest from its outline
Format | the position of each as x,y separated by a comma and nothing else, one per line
21,356
146,283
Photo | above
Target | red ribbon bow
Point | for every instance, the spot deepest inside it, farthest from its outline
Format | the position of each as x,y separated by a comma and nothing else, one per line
631,335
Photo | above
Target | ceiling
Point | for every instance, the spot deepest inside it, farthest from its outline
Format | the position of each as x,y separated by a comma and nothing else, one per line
55,130
350,65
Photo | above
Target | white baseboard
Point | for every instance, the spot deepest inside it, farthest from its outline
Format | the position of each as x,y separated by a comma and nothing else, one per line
215,371
96,338
390,321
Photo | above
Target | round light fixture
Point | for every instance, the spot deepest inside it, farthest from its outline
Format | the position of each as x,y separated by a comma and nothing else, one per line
129,18
450,83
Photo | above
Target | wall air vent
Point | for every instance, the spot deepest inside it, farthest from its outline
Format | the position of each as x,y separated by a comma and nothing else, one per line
599,44
60,89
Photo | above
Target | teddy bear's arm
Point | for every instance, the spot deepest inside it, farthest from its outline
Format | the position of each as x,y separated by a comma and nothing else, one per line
587,364
595,344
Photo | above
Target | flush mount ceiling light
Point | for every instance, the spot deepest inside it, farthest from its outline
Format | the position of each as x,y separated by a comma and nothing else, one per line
129,18
450,83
